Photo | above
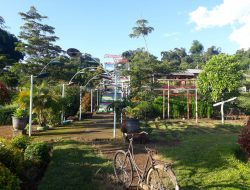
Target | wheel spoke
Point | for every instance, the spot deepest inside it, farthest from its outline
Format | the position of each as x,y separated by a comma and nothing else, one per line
123,168
161,178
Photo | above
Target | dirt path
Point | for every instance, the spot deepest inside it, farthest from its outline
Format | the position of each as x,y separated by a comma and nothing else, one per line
6,131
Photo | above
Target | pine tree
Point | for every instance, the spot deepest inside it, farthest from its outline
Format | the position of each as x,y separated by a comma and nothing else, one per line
2,22
38,38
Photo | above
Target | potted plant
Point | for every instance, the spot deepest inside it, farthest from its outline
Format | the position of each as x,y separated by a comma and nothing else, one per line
131,121
20,119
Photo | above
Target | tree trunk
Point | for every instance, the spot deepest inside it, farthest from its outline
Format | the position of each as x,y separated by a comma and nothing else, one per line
145,44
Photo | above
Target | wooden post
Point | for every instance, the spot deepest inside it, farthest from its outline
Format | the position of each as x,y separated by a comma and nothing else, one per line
164,102
196,105
188,110
168,100
97,97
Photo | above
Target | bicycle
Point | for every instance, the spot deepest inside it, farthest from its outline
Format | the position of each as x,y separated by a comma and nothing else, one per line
155,175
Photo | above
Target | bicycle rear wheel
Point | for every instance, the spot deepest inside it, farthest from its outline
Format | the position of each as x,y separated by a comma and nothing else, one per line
161,177
123,168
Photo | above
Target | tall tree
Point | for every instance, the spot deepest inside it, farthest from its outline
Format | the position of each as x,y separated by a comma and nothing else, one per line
196,47
220,78
2,22
141,29
174,57
38,38
8,56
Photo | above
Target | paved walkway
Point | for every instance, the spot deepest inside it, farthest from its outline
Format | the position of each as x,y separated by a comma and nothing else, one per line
100,127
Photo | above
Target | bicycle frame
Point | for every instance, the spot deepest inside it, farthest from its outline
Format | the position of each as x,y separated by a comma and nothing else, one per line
142,174
151,176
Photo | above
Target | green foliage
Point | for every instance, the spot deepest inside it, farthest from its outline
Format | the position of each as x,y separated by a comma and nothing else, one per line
22,99
142,69
196,48
55,107
38,152
20,142
46,102
38,38
10,156
130,112
71,100
21,113
178,59
9,78
244,102
220,78
178,107
144,110
8,181
5,114
141,29
8,54
2,21
175,58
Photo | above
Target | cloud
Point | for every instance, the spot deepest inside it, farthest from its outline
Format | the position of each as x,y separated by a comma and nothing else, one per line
230,12
171,34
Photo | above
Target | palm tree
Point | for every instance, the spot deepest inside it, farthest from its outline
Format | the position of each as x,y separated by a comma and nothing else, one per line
141,30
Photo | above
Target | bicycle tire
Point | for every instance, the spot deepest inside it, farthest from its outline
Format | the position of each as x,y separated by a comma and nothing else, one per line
161,177
123,168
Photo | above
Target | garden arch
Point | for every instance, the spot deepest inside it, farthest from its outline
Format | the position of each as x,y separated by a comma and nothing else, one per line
176,86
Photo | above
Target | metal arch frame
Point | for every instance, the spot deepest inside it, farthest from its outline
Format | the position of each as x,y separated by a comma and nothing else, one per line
187,89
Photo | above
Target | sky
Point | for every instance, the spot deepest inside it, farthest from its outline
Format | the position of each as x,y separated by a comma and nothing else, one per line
102,27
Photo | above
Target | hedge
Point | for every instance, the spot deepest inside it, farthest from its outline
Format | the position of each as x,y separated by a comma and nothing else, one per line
178,107
8,181
6,114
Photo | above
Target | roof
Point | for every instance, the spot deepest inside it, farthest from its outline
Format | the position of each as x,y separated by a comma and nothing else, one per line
194,71
188,72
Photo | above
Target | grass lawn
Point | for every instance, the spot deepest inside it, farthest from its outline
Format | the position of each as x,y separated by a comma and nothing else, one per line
207,156
75,165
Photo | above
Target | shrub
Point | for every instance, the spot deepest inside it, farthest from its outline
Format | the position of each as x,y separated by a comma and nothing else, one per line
20,142
86,101
244,138
38,152
10,156
8,181
244,102
22,99
21,113
5,114
144,110
71,101
178,107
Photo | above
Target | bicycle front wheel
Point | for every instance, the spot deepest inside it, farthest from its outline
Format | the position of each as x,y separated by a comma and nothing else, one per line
123,168
162,177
